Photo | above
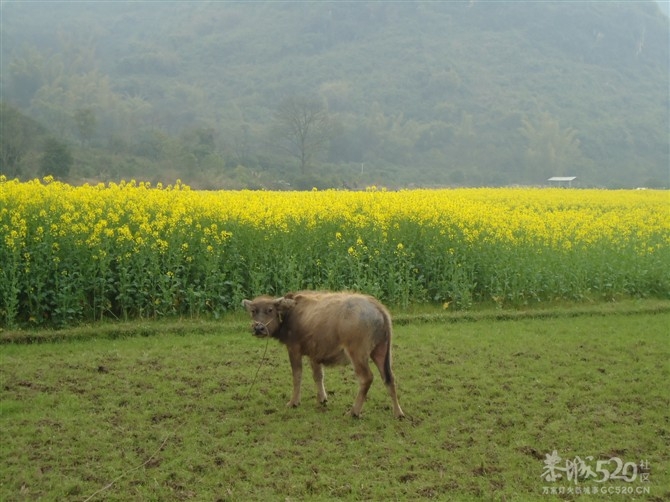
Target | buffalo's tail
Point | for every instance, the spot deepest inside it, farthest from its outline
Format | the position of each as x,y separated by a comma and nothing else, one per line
388,373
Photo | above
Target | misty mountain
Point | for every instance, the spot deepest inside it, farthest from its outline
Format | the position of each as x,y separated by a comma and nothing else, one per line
417,93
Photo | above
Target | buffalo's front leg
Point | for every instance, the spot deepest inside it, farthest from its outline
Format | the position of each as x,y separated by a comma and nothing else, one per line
317,372
296,368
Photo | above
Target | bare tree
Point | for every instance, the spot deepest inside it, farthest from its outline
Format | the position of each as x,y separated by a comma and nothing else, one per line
303,128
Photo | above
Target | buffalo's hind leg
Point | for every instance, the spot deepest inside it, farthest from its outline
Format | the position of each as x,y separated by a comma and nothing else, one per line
317,372
381,355
365,377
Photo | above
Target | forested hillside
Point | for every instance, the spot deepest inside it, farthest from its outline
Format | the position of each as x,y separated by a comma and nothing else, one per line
341,94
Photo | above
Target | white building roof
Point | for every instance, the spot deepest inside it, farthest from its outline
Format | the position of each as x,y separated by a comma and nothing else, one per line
562,178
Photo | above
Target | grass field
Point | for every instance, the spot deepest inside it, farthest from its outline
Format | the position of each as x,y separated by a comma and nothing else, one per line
175,416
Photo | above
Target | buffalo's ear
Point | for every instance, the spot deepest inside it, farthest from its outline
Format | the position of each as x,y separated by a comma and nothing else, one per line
246,304
284,304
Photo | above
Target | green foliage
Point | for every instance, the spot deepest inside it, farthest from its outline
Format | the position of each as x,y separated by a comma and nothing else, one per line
85,121
555,149
71,255
18,136
470,93
56,159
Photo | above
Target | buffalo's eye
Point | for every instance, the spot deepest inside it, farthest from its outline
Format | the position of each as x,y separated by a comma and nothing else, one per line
269,311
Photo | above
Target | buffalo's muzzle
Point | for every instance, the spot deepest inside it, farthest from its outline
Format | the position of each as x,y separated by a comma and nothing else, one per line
259,329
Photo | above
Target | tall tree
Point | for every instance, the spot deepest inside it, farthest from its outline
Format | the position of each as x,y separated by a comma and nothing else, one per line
17,138
85,121
551,149
304,128
56,158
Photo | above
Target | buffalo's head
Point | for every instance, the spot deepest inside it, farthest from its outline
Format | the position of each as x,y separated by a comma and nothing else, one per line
267,314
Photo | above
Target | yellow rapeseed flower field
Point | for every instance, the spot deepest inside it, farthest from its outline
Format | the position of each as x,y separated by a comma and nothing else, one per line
133,250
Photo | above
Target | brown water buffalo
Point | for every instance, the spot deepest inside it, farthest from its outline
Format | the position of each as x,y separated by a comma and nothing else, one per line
330,329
